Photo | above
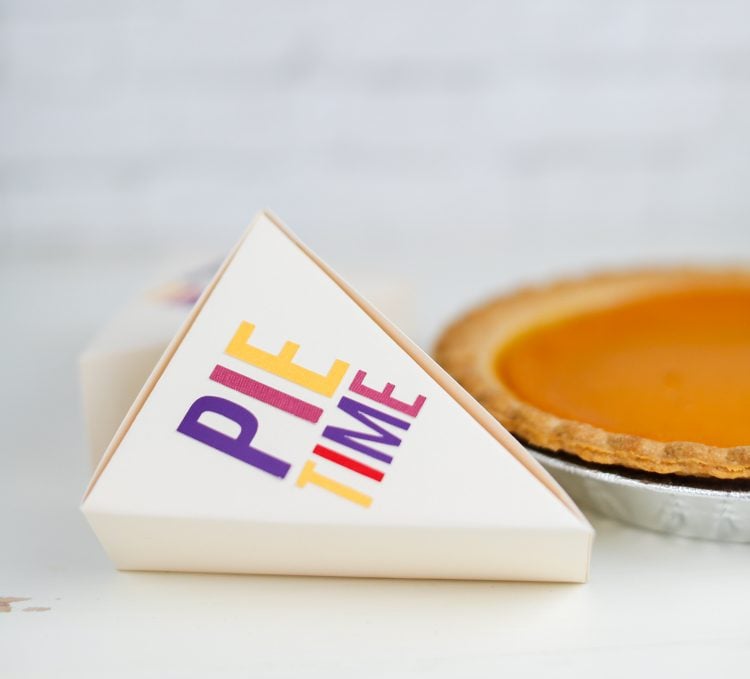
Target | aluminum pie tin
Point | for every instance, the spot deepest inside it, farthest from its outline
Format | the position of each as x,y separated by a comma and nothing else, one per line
691,508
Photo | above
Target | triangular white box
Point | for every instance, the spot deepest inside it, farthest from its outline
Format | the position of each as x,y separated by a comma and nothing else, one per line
290,428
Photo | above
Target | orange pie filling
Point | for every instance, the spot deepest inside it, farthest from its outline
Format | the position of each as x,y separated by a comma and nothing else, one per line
668,367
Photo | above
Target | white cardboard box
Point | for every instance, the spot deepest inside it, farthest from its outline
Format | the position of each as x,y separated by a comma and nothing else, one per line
290,428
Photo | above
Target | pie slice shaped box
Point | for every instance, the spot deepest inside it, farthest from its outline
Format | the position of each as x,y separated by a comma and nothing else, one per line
290,428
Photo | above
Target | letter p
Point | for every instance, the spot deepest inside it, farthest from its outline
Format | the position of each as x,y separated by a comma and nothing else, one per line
238,447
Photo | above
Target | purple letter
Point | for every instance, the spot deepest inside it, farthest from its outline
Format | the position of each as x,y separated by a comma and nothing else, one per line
239,447
364,414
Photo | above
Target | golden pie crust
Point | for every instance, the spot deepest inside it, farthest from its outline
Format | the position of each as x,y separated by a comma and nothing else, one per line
470,347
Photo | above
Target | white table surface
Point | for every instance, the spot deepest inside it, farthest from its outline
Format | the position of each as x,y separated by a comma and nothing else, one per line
654,603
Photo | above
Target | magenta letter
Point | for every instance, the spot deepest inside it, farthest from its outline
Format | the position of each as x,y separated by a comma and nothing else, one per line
385,397
262,392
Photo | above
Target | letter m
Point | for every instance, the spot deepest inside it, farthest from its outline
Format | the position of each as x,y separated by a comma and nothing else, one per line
377,434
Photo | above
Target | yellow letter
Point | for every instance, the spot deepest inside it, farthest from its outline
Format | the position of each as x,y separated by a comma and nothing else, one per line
282,364
309,475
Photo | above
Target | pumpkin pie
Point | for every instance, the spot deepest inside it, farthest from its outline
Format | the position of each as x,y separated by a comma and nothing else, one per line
648,370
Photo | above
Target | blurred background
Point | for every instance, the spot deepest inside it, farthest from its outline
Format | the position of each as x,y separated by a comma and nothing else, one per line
461,146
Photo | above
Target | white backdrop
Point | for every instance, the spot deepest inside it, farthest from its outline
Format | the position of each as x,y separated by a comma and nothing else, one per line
598,130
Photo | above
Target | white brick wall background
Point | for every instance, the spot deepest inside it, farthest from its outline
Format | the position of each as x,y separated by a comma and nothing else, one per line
590,131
